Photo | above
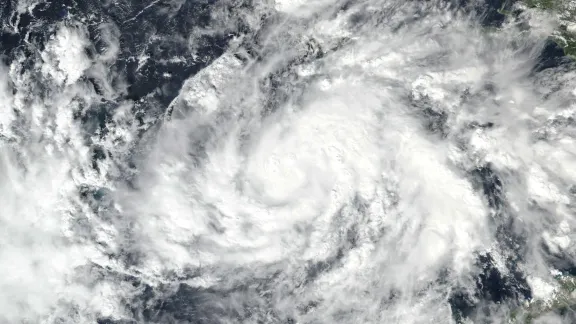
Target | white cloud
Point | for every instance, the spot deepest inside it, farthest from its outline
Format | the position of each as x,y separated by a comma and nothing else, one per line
333,167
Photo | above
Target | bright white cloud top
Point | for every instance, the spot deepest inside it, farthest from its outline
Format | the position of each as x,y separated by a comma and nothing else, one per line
361,161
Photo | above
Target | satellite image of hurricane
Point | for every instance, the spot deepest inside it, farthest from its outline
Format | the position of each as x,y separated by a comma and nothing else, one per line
287,161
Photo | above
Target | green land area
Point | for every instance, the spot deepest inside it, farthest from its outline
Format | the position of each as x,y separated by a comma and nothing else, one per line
565,10
563,299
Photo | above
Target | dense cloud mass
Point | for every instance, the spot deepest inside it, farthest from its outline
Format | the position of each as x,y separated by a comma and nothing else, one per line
288,161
